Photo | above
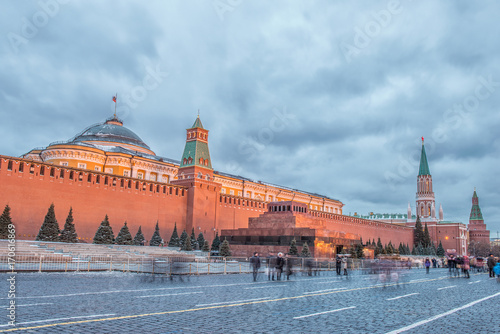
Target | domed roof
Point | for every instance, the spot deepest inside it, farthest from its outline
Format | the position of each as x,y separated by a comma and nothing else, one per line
111,131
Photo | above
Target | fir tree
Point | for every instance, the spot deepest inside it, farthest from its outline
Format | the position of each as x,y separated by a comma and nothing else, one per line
389,249
174,239
418,233
352,251
440,250
182,239
194,242
361,241
401,249
201,240
139,238
68,234
216,242
224,249
293,247
380,247
5,221
359,250
49,231
426,237
104,234
206,246
188,246
305,251
414,250
124,237
420,249
156,238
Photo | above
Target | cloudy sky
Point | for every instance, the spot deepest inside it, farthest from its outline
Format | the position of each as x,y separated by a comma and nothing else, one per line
326,96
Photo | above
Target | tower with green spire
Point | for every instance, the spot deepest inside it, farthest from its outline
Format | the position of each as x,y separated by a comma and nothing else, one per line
196,174
477,227
425,204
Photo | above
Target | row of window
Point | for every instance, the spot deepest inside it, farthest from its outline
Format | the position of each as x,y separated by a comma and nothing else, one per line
238,201
189,161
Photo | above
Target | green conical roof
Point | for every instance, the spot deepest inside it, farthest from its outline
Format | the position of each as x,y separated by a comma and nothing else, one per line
197,123
424,167
475,212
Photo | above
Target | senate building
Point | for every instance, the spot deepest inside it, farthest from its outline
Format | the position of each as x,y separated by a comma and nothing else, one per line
107,169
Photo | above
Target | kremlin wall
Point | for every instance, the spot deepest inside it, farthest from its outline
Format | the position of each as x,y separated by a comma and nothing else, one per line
108,169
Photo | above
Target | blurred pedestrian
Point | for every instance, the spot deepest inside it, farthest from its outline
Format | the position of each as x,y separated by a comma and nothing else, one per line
338,264
255,263
289,265
466,266
271,266
427,265
344,265
451,265
496,269
491,264
280,262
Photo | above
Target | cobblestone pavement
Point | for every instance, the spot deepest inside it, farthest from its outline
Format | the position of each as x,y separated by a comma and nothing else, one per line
131,303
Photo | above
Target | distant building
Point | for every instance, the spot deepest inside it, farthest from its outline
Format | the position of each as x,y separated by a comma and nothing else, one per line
477,227
452,235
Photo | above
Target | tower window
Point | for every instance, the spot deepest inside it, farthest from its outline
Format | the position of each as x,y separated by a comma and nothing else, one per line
21,167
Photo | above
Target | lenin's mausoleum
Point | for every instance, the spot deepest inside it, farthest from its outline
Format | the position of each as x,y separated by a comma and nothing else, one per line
108,169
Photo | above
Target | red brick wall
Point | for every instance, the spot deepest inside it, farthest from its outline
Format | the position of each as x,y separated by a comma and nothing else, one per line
30,195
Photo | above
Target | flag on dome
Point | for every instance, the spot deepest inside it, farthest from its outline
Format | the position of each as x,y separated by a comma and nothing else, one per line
114,99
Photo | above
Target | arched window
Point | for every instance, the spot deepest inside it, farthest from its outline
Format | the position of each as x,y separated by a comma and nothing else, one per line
206,162
190,160
200,175
201,161
185,161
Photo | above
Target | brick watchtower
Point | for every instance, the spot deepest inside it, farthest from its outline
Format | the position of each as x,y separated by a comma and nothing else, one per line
477,227
196,173
425,195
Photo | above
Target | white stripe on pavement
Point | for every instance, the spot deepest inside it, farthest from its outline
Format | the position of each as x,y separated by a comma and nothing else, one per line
404,329
411,294
311,315
169,294
32,305
448,287
306,293
234,301
59,319
474,282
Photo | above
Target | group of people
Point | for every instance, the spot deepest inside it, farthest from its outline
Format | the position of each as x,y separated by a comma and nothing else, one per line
341,263
276,265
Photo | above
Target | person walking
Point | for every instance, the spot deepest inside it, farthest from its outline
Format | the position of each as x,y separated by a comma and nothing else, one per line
271,266
451,265
280,262
466,266
427,265
491,264
344,265
255,263
288,266
338,264
496,269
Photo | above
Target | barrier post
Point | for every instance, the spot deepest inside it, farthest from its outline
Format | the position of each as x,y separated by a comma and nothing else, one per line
40,267
66,267
208,268
240,268
225,266
110,262
88,266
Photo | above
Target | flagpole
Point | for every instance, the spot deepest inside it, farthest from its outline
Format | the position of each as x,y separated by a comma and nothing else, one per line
116,98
